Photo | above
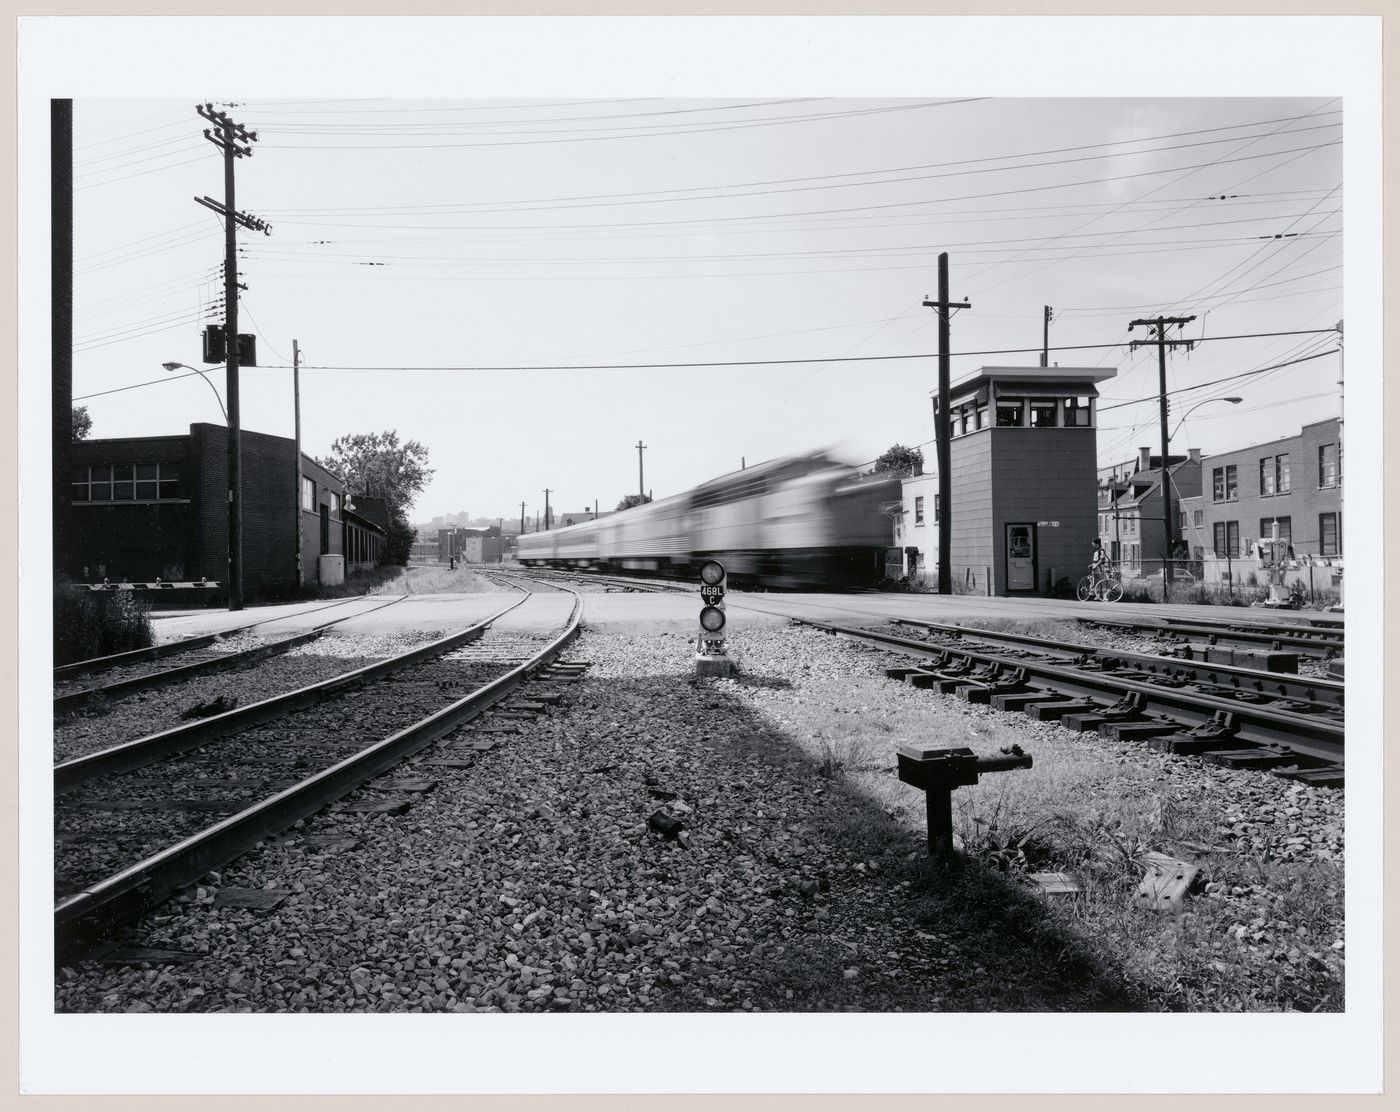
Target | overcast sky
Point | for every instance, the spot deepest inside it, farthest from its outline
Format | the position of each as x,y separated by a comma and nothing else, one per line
428,253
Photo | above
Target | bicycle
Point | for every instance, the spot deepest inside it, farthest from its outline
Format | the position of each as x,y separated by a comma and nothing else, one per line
1104,585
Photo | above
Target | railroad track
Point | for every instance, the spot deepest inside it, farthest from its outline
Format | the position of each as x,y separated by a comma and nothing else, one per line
584,578
66,672
138,676
131,822
1239,727
1311,640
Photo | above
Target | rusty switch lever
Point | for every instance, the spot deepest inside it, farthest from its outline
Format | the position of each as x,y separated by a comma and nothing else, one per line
937,772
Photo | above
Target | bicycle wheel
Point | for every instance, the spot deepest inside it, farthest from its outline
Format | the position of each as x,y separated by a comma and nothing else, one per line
1111,590
1086,588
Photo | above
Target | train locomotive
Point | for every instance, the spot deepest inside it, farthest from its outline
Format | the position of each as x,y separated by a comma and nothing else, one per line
799,521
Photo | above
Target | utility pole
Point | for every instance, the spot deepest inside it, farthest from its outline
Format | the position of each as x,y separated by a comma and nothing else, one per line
1157,335
1045,343
228,139
522,517
546,507
296,451
641,486
61,324
943,427
1341,474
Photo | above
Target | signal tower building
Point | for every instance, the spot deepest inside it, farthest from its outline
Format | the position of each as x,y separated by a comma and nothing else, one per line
1024,459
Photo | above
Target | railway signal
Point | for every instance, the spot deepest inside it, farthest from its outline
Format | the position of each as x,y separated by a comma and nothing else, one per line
710,656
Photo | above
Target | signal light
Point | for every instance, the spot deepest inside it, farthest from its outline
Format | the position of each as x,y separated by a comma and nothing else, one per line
712,619
711,573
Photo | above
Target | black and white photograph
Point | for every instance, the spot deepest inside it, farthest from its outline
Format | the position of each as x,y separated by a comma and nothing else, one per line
820,552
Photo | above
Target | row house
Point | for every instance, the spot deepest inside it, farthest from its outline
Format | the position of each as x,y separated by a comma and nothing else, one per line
1130,513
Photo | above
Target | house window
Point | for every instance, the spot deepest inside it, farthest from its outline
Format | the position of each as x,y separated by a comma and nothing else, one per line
1225,484
335,505
919,509
1267,478
1285,528
1227,538
1009,414
1329,536
1198,518
1327,465
308,494
127,482
1043,414
1281,473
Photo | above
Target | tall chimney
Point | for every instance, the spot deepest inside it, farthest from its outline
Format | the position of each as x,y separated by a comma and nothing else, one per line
1144,459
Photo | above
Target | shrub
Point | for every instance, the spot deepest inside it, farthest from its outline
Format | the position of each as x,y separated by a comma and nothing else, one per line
89,623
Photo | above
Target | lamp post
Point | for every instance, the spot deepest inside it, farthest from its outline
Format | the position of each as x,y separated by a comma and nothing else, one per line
234,574
1205,401
196,370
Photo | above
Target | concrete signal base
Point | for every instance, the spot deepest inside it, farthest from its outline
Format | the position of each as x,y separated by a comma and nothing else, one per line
707,665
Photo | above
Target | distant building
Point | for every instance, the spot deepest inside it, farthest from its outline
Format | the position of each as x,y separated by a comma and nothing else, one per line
154,507
1291,486
1023,455
1131,524
915,519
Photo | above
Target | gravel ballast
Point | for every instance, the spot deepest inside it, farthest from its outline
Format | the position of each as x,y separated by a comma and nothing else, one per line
537,879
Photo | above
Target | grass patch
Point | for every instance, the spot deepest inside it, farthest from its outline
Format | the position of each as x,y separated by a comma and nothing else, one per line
89,623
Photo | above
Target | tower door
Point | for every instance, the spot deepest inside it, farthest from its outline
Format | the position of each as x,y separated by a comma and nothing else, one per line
1020,557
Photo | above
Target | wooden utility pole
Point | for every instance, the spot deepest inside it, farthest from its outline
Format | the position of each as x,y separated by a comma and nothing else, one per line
943,427
641,486
233,140
522,517
1157,335
61,349
546,508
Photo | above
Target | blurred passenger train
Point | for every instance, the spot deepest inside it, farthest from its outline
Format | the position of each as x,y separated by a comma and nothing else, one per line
800,521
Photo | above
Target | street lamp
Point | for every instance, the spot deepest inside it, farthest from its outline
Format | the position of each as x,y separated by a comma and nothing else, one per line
234,573
1206,401
196,370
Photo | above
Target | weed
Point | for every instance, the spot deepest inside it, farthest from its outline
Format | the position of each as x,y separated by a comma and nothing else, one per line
88,623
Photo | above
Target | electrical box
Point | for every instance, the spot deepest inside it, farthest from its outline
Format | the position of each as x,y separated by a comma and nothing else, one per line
214,350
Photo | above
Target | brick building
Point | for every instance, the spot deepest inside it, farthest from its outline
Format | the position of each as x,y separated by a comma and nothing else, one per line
153,507
1024,457
1293,484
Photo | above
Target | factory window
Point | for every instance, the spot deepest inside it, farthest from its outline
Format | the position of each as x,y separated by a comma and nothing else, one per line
308,494
919,510
1329,535
1285,528
1009,414
335,505
1266,476
1225,485
1327,470
1281,473
127,482
1227,538
1043,414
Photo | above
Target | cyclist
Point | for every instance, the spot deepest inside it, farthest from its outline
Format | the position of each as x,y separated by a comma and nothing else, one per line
1098,562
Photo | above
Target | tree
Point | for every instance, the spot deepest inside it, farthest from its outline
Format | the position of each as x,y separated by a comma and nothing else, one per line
82,422
399,542
901,460
632,500
376,464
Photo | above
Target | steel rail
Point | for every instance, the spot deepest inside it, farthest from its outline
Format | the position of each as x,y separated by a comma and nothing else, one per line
1308,735
1324,634
1265,637
65,703
172,648
142,751
93,913
1282,685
